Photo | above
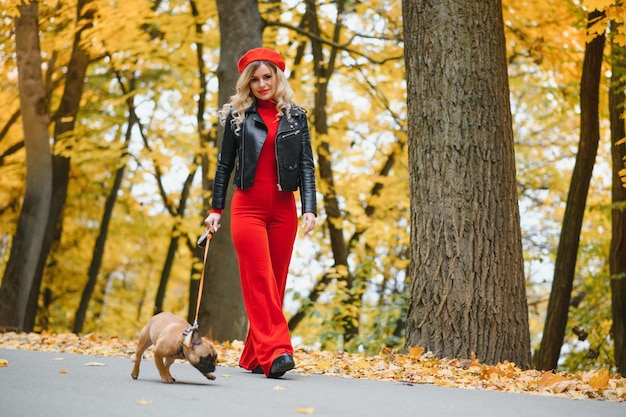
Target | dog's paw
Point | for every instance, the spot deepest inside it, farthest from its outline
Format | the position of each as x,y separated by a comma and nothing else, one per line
169,380
210,376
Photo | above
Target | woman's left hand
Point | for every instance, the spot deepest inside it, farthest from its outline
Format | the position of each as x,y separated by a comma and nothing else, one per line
308,222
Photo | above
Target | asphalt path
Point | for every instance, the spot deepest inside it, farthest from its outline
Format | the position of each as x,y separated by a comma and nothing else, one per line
42,384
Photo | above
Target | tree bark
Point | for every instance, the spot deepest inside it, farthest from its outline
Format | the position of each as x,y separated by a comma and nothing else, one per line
617,260
467,290
19,276
64,122
222,310
565,265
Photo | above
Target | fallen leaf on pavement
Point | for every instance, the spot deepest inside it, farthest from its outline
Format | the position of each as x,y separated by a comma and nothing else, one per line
415,352
4,363
302,410
362,364
549,379
95,364
323,365
143,401
562,386
600,379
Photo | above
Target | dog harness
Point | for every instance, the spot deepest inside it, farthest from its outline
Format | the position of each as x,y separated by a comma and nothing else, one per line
186,333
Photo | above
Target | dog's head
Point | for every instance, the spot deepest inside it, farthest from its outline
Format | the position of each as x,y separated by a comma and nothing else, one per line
200,352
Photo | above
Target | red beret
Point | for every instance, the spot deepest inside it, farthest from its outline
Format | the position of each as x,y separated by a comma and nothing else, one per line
261,54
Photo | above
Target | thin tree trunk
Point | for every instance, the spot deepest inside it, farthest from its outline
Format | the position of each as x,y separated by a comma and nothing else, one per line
99,247
617,258
206,138
321,284
558,306
19,277
314,294
65,120
617,262
467,290
174,238
166,271
222,310
3,133
323,67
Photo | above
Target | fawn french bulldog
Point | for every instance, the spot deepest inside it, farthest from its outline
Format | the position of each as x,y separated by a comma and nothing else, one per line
173,338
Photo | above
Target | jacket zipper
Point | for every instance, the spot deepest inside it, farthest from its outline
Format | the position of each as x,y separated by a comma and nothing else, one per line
242,156
292,133
277,165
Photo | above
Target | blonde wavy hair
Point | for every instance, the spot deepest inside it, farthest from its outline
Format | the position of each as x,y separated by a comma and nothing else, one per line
243,99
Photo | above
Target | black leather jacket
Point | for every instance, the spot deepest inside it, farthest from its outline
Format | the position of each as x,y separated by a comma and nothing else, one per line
293,153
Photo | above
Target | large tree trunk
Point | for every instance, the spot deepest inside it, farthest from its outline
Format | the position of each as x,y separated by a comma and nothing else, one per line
222,310
64,122
468,292
19,275
558,306
617,260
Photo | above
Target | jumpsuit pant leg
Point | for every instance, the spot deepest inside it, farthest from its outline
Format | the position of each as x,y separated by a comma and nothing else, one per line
264,226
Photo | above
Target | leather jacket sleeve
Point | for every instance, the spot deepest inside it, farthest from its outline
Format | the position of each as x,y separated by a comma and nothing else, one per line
225,164
307,172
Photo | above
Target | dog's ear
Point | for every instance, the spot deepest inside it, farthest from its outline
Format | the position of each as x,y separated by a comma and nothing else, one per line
195,337
192,337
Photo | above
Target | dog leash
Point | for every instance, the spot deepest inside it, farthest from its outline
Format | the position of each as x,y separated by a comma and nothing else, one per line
203,242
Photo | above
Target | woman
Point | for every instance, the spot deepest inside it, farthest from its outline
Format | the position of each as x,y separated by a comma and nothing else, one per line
266,141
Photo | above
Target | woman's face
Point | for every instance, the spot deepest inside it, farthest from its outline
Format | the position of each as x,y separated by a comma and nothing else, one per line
263,83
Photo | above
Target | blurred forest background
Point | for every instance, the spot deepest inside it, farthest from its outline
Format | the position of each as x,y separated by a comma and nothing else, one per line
137,153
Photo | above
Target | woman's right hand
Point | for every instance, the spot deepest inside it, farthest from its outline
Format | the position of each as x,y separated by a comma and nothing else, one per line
213,221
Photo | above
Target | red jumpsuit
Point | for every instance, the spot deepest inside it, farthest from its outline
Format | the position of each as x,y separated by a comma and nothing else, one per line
264,226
